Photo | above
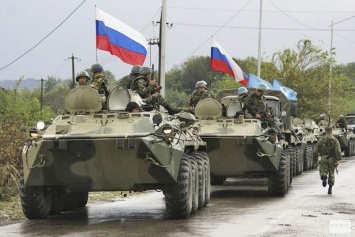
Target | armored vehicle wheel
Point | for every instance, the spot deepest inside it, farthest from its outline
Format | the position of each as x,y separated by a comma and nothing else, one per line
83,199
347,150
58,201
207,178
36,201
279,181
307,157
201,180
72,201
178,198
299,167
217,180
195,183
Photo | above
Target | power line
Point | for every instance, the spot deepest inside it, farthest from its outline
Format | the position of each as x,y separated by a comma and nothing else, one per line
215,32
290,16
272,11
44,37
254,28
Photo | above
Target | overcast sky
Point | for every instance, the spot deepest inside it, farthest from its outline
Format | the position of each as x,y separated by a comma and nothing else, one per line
25,23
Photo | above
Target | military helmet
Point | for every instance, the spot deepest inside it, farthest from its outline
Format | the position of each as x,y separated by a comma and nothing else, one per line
322,116
200,84
242,90
135,69
341,116
96,67
145,70
261,86
82,74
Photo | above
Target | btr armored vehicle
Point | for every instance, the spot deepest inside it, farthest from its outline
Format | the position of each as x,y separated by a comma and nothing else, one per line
92,148
241,147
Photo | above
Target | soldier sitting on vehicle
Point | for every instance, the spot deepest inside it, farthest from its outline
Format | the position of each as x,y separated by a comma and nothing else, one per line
321,118
127,80
342,123
82,78
100,81
145,86
197,95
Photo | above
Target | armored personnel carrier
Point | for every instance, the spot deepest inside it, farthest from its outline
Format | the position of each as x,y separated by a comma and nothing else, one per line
90,149
241,147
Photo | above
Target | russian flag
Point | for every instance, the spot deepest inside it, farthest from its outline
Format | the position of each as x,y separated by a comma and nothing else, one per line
222,62
120,39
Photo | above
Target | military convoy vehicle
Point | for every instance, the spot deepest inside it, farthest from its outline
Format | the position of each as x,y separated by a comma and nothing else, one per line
90,148
240,147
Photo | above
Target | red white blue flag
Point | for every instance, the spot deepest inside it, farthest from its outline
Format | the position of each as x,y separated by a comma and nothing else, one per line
120,39
222,62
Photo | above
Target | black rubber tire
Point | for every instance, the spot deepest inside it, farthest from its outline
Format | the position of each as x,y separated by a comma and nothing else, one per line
207,178
72,202
195,183
307,156
58,201
83,199
279,182
178,198
201,180
36,201
347,150
299,167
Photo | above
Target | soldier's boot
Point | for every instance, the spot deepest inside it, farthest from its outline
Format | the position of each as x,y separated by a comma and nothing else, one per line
324,178
171,110
330,189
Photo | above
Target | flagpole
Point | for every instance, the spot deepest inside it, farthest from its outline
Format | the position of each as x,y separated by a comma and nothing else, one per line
95,34
259,43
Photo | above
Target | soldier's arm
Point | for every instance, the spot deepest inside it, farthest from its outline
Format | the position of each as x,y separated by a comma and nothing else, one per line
143,90
250,105
315,152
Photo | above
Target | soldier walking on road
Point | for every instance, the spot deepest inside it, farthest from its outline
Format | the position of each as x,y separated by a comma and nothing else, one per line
329,150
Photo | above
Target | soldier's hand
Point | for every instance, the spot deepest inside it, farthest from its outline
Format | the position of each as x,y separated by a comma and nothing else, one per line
336,163
257,116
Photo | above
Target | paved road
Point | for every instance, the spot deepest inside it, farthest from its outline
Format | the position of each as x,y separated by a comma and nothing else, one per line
238,208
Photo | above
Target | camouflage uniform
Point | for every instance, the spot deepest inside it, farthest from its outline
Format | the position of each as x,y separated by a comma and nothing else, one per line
99,82
342,123
147,92
255,104
196,96
329,149
127,81
242,99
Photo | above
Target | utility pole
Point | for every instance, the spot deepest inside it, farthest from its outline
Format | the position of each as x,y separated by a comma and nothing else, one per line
152,41
41,99
259,41
73,69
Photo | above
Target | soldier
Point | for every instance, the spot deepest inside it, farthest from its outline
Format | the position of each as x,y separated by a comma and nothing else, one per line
146,87
321,117
198,94
132,107
342,123
329,149
127,80
242,96
100,81
256,107
82,78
